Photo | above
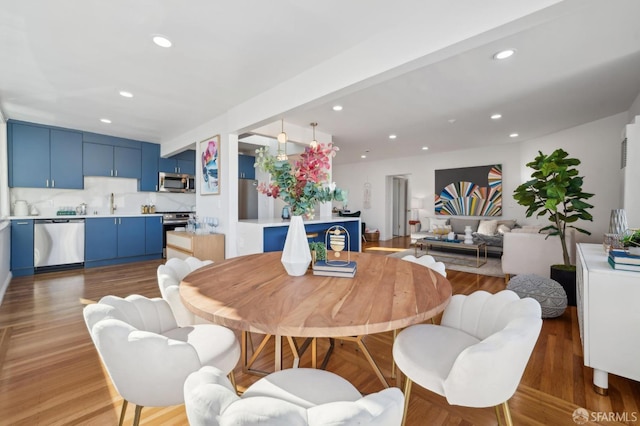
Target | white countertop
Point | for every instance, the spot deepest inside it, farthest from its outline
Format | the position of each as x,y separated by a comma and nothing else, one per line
273,221
79,216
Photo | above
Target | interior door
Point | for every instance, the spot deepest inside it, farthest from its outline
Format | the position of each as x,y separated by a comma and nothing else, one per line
399,206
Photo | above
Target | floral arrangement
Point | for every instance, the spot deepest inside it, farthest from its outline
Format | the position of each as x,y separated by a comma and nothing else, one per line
304,185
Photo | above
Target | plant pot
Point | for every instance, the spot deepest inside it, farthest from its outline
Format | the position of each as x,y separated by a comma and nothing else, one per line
634,251
567,279
296,255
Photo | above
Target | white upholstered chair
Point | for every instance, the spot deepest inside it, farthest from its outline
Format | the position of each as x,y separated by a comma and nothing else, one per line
291,397
148,357
477,355
428,261
169,276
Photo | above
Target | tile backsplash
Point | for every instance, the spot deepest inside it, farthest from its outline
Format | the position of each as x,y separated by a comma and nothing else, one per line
96,193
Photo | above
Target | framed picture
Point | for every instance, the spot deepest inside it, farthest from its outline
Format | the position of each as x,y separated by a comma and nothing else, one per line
210,163
469,191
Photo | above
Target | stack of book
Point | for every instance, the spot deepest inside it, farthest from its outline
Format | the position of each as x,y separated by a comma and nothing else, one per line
623,261
340,269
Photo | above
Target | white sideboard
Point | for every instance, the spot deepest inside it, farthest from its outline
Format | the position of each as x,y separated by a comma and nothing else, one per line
608,315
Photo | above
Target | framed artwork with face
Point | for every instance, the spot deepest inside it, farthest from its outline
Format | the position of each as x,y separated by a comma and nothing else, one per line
210,163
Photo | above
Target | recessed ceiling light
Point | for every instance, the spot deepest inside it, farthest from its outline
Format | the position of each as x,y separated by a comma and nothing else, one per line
496,116
105,120
337,107
451,120
514,135
125,94
504,54
392,136
363,156
425,148
162,41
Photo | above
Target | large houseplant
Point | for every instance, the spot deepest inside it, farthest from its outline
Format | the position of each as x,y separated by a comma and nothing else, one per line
555,191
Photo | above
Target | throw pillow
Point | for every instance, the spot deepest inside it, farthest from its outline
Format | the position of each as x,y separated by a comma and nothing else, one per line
511,223
425,225
487,227
502,229
435,223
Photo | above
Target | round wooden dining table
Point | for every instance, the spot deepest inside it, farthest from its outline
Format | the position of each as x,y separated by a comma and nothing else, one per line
254,293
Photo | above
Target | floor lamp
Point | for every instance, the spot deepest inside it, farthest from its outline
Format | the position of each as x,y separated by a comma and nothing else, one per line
416,204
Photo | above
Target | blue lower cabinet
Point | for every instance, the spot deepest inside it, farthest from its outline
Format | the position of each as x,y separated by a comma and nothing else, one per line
153,231
274,237
114,240
22,247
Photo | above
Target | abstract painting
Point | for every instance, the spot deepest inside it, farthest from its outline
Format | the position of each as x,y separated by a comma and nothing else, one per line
210,163
469,191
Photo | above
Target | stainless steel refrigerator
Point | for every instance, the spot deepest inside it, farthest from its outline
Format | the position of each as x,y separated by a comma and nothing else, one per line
247,199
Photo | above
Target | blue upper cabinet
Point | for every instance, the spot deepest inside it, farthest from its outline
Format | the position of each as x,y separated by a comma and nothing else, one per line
149,173
245,167
44,157
184,162
108,160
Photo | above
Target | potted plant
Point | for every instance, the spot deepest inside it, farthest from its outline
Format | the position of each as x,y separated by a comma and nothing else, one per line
318,251
555,191
631,242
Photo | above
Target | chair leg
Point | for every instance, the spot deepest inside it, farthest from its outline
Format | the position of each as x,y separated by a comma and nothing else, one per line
136,417
122,411
506,413
407,394
232,379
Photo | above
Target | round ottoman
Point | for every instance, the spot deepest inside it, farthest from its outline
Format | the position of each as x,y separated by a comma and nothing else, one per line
549,293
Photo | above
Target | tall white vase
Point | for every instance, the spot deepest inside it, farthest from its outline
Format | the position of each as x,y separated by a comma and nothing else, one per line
296,255
468,237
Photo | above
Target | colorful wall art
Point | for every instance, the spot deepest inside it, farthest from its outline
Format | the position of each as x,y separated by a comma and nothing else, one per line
469,191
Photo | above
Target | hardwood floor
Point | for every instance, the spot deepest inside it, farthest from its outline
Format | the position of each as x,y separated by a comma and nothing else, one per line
50,373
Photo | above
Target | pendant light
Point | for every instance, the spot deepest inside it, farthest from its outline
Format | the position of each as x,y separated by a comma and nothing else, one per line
282,144
314,142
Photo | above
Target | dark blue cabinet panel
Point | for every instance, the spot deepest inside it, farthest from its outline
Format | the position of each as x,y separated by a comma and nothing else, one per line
66,159
97,159
273,237
131,236
149,172
101,238
183,162
127,162
153,230
29,156
22,247
245,167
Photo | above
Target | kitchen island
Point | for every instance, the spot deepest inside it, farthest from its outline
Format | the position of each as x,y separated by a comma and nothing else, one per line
265,235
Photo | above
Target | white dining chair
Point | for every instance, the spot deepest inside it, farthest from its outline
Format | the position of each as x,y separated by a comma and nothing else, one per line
477,355
428,261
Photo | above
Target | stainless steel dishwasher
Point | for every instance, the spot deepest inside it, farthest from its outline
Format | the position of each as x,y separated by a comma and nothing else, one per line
58,243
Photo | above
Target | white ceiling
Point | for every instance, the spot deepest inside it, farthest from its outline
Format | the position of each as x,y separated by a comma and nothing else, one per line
64,61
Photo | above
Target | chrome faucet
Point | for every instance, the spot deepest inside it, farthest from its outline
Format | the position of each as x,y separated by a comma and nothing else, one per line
112,206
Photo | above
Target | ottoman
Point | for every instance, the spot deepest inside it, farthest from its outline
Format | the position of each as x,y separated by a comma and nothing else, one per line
549,293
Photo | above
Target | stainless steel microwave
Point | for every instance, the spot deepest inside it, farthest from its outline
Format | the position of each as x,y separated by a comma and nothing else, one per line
176,182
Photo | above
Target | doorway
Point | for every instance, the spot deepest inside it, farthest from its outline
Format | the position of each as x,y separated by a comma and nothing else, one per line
399,206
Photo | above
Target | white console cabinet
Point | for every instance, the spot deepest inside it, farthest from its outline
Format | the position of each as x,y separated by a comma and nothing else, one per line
608,315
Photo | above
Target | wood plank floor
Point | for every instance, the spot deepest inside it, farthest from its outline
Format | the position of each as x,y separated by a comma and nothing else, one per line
50,373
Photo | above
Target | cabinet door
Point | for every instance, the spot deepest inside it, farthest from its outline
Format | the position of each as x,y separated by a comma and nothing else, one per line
29,156
131,236
245,167
22,247
97,159
153,231
127,162
101,238
168,165
186,166
149,174
66,159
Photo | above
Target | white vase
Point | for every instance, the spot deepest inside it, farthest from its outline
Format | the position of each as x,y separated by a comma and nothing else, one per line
468,238
296,255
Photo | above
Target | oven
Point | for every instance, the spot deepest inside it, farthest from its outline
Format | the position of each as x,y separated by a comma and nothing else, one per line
171,221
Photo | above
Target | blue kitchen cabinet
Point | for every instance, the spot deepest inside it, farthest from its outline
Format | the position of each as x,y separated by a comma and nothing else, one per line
66,159
149,173
108,160
153,235
183,162
44,157
245,167
274,237
131,236
101,239
21,247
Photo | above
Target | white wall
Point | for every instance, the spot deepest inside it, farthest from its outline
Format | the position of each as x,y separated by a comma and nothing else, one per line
634,109
596,144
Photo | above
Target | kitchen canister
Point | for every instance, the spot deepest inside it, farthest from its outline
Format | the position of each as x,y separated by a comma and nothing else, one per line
21,208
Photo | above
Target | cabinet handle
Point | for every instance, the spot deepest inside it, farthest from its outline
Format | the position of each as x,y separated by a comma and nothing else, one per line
111,172
21,223
119,221
47,183
156,187
115,221
53,183
116,172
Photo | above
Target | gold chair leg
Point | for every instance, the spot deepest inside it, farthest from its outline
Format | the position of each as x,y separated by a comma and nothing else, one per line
232,379
506,413
136,417
123,411
498,416
407,394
